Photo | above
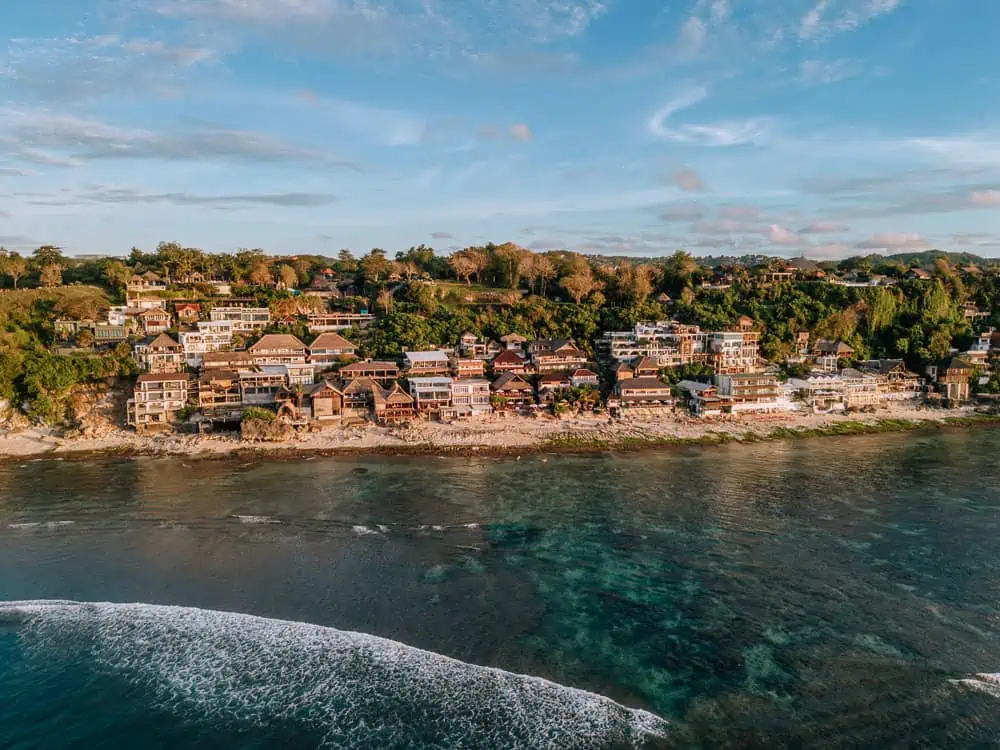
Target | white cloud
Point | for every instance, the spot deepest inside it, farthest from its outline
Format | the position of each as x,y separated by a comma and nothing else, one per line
893,242
720,134
831,251
688,180
824,227
823,72
828,18
778,235
985,198
691,38
521,132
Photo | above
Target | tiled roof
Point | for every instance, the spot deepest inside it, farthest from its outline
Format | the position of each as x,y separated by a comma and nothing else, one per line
331,341
278,341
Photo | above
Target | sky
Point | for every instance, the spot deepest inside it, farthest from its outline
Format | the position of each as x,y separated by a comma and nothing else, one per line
827,128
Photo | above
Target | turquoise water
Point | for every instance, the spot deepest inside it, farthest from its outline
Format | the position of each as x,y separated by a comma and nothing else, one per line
824,593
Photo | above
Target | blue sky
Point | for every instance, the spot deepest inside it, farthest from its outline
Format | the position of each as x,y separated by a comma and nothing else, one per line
635,127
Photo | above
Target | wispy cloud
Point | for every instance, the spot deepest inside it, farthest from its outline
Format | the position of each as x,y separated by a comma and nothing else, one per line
719,134
893,242
688,180
521,132
825,227
827,18
132,195
779,235
825,72
443,236
65,140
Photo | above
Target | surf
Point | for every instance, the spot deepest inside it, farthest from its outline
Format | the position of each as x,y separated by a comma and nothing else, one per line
353,689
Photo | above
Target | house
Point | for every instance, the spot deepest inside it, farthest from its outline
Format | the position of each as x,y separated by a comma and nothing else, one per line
209,336
895,382
226,361
646,368
971,310
359,397
330,348
468,367
917,274
154,321
470,345
279,349
837,349
135,301
821,392
327,402
219,395
550,384
584,377
512,391
393,406
187,313
860,389
427,363
243,319
513,342
106,333
469,398
550,355
338,321
953,377
703,398
647,394
624,372
748,392
669,343
430,393
160,355
493,348
147,282
156,400
380,372
260,386
736,352
510,361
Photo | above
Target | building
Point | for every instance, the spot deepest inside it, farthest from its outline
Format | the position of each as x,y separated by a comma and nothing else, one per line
161,355
156,400
327,402
105,333
187,313
748,392
209,336
154,320
430,393
647,394
646,367
468,367
338,321
469,398
470,345
421,364
513,342
380,372
147,282
551,355
394,405
550,384
244,319
359,397
510,361
584,377
668,343
821,392
260,386
330,348
953,377
279,349
220,396
511,391
703,398
896,383
736,352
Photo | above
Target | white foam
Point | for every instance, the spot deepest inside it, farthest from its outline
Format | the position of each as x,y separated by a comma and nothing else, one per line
364,530
358,690
252,520
25,525
983,682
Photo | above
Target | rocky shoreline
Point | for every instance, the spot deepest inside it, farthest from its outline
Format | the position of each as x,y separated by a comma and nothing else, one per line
498,437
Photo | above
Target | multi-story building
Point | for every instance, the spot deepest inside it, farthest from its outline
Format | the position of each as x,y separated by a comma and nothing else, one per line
243,319
470,345
468,367
380,372
338,321
668,343
431,393
510,361
278,349
209,336
156,400
641,395
469,398
420,364
554,355
220,396
748,392
513,391
187,312
736,352
160,355
154,320
105,333
259,386
393,405
895,382
330,348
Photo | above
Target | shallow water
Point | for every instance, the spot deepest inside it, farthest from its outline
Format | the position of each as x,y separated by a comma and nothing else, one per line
821,593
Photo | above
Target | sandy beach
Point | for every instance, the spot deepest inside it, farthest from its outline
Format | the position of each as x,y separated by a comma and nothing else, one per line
494,435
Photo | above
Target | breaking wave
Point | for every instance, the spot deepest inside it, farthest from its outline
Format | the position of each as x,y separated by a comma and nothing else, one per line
983,683
351,689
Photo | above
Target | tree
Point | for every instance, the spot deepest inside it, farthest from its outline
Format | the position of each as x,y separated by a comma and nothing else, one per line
462,265
51,275
117,274
14,266
288,276
260,274
545,270
48,255
511,258
480,259
375,266
346,262
579,284
385,300
85,338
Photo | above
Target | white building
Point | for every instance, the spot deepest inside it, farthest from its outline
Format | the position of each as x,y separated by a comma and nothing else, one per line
210,336
469,398
156,400
243,319
431,393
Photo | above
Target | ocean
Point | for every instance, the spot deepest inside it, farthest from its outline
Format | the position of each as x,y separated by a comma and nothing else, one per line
827,593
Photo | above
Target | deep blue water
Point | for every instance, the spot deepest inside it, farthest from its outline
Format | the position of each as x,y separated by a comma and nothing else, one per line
823,593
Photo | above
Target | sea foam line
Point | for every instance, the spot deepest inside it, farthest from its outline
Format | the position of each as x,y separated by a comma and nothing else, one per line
359,691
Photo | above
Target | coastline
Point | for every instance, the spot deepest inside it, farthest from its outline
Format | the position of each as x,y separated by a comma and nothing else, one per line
494,437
